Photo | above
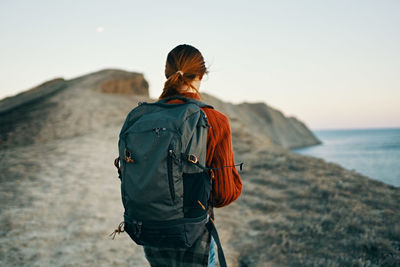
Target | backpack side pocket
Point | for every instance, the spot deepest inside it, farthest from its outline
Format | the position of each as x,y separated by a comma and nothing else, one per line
197,187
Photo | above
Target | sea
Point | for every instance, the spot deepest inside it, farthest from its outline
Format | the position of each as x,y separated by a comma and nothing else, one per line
371,152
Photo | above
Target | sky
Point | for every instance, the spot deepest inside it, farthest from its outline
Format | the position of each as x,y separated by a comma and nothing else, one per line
331,64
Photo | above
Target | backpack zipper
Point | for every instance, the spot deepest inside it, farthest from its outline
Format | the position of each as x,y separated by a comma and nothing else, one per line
156,130
170,174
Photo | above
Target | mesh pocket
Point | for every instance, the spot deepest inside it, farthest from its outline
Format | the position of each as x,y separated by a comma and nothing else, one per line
196,193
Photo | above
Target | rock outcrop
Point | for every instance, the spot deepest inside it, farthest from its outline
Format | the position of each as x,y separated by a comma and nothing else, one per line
125,83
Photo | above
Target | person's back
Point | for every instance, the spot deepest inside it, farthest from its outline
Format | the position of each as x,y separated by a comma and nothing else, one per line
184,70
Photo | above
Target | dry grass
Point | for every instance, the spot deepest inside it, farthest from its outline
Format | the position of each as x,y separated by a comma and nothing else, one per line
306,212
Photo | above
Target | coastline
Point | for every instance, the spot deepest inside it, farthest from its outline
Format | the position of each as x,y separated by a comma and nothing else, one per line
372,152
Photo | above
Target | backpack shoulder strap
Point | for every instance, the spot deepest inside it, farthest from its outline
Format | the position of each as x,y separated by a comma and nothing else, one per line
186,99
213,231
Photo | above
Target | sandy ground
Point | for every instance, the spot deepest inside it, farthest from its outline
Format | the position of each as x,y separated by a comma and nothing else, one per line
60,209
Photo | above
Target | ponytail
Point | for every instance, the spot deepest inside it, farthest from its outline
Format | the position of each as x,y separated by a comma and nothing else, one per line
184,64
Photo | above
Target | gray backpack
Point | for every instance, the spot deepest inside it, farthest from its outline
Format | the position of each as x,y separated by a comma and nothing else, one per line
165,184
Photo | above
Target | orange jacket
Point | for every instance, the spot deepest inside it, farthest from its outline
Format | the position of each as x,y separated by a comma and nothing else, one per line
227,184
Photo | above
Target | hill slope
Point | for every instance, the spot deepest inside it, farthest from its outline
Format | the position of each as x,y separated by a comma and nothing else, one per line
264,121
64,108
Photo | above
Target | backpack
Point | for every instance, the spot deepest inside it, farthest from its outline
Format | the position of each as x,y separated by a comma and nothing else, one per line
165,183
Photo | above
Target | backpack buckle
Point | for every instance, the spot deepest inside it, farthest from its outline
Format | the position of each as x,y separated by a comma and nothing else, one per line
118,166
128,156
192,158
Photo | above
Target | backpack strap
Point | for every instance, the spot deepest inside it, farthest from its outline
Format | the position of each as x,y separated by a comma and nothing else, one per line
210,224
186,99
213,231
193,159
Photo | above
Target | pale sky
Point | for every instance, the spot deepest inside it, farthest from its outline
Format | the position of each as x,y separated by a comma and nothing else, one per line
332,64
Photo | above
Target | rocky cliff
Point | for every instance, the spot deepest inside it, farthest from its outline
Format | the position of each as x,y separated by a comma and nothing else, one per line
267,123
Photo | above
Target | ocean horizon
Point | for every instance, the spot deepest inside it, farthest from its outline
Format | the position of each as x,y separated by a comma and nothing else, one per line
373,152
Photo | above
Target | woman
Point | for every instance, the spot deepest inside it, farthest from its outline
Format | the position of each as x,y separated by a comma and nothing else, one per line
184,71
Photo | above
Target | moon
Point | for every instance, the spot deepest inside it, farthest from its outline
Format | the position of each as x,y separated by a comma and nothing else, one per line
99,29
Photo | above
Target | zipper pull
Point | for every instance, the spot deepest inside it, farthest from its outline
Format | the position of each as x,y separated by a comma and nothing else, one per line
171,152
158,129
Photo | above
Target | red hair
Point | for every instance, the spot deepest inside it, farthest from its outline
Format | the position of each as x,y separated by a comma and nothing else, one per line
187,59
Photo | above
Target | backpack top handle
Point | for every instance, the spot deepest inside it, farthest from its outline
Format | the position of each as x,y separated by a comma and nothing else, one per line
186,99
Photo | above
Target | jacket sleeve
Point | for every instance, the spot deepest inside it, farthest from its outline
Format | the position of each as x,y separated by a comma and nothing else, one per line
227,184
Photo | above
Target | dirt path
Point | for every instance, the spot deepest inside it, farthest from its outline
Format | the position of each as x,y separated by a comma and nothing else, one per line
59,203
